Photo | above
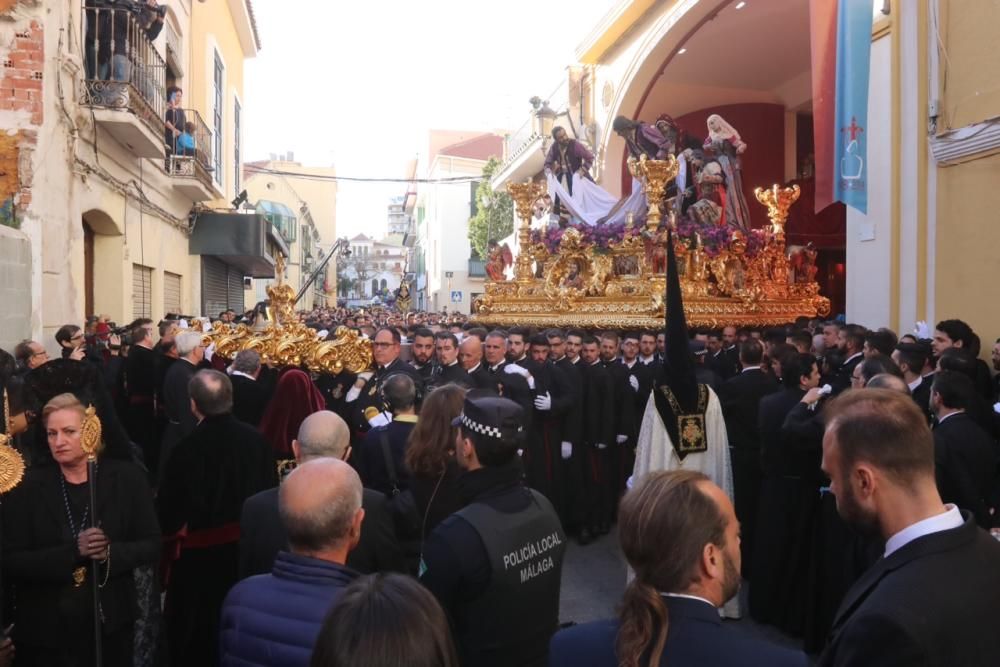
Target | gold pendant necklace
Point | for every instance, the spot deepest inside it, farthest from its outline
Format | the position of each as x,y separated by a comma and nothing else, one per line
79,575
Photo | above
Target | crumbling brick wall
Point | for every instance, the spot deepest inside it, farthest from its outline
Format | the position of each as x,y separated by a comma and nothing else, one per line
22,60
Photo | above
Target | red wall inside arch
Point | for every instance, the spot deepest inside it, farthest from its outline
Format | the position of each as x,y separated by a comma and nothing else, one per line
761,126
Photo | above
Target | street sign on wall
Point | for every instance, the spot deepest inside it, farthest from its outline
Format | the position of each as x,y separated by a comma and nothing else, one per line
456,296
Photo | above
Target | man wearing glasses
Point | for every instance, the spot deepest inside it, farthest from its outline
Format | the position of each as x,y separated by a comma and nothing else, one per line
30,354
73,343
369,407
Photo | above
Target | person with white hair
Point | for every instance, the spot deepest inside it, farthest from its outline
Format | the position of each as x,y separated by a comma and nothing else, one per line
176,400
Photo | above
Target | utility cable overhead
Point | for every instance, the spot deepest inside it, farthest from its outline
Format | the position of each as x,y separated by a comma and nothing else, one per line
359,179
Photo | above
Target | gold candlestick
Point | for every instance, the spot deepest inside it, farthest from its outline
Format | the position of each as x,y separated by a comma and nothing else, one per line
777,200
654,174
524,195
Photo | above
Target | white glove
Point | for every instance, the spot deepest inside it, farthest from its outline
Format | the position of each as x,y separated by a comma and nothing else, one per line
567,450
544,402
514,369
996,408
355,391
621,439
632,380
601,445
365,377
381,419
922,330
210,352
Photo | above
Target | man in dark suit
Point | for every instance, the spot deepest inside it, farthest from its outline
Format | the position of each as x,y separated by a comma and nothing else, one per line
724,365
204,485
598,437
263,535
380,458
964,455
789,493
740,399
851,343
140,382
934,596
449,370
553,400
177,402
512,385
252,387
365,397
684,576
422,349
911,359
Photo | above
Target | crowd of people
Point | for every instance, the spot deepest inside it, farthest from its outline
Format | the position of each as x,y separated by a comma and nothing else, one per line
418,513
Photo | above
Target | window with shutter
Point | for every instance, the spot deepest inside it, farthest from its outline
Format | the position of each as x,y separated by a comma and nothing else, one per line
171,292
142,291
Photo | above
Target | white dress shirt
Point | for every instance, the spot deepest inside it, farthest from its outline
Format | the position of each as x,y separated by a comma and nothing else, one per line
950,519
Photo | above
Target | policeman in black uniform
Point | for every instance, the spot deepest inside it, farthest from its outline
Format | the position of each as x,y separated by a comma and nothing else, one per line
496,565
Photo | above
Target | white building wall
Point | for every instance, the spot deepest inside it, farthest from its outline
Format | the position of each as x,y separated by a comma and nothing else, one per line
869,237
447,236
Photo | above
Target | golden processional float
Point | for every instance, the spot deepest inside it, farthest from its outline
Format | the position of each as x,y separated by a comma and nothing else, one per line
283,340
581,277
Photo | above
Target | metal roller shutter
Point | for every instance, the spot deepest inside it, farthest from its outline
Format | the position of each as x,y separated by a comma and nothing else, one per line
171,292
214,286
236,290
142,291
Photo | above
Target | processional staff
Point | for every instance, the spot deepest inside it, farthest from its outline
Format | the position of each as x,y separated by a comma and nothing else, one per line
90,443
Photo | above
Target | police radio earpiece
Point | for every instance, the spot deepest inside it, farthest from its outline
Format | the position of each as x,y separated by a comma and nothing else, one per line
418,390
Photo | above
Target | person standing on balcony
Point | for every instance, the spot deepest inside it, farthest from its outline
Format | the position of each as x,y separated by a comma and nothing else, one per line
567,157
175,121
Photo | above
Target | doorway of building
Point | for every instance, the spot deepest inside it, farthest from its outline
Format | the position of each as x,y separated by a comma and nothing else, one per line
88,270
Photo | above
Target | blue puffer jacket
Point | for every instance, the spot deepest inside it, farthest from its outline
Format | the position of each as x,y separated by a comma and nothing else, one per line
272,620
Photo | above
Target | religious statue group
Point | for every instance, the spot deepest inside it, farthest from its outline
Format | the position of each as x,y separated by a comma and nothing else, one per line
709,184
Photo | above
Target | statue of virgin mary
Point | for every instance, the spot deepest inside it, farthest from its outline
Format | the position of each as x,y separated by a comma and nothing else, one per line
724,144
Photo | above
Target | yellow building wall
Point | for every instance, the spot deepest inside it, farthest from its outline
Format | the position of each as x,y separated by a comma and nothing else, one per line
967,240
967,263
212,28
970,87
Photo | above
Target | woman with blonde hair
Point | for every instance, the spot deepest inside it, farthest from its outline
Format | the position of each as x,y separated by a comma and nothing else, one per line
49,545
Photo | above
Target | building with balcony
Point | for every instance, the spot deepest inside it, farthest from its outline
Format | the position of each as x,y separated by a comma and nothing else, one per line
442,251
374,269
307,221
98,196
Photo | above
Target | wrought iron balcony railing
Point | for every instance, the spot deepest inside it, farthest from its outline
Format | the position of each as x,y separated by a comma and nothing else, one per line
192,151
123,69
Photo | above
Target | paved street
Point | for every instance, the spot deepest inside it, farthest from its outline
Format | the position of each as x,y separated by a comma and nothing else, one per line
594,580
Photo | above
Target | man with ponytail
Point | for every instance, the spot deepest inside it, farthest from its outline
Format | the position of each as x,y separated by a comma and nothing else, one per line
680,535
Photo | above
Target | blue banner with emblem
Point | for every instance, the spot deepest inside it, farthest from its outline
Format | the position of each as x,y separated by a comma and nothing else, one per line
850,141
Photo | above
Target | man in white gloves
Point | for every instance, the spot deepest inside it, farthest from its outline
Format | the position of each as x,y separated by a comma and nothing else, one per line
552,399
598,436
369,406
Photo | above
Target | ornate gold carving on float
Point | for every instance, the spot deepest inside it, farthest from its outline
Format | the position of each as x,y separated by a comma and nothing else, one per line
578,283
285,341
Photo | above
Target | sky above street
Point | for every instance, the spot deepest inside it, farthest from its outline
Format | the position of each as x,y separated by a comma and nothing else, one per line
359,84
